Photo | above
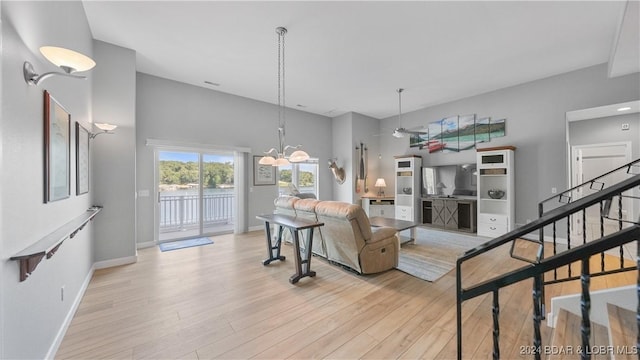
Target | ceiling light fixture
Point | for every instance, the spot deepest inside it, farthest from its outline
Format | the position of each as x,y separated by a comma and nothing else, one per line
67,60
624,108
104,128
399,131
278,157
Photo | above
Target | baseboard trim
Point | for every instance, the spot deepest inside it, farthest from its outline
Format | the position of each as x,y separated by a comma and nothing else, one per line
115,262
67,320
147,244
256,228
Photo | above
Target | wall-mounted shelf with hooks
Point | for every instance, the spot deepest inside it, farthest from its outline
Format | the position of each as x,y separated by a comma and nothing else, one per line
30,257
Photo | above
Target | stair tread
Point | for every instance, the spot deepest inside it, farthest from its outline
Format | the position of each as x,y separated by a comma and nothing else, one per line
567,337
622,323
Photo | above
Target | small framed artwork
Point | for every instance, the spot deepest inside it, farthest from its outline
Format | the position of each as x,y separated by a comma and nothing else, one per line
263,174
82,159
57,123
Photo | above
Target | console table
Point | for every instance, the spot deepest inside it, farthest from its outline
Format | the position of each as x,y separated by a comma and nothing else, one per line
379,206
295,225
452,213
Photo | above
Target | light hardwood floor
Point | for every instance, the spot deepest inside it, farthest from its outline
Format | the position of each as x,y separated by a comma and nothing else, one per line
219,301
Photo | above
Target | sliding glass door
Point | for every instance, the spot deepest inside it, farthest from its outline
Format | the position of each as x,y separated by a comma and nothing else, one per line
196,194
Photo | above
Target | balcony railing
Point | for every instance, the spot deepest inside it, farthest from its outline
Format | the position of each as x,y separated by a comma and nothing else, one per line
180,212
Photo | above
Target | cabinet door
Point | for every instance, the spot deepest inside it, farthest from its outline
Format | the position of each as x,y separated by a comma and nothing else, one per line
427,212
438,214
451,214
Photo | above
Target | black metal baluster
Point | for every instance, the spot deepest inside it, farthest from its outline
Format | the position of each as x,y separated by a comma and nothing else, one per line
537,317
555,250
585,307
638,291
496,326
620,228
584,226
601,235
569,240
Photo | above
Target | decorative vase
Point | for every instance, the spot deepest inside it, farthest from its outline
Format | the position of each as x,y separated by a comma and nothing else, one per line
496,193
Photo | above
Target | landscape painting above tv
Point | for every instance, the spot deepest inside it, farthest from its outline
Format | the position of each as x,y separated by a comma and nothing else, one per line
457,133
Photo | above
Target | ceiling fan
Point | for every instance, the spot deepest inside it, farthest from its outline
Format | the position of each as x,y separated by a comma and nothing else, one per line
400,131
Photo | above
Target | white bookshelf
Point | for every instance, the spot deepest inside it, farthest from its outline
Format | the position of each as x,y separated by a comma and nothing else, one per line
496,171
407,189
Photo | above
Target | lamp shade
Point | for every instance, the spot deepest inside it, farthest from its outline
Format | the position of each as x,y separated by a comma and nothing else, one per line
66,58
298,156
380,183
105,126
267,160
281,162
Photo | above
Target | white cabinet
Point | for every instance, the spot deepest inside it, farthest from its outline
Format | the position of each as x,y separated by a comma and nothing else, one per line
496,191
379,206
407,189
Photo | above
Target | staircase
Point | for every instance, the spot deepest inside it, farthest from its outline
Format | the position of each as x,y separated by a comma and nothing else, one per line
614,335
567,341
614,340
622,332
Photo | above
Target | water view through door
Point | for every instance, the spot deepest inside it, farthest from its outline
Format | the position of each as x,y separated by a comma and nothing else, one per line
196,194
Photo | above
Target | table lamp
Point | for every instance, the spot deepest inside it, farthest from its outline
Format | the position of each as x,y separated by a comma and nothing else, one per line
380,184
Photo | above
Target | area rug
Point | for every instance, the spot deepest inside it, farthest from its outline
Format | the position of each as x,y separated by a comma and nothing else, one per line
434,253
181,244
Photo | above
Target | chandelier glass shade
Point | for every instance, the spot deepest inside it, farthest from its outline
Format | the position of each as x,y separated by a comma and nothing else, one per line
279,157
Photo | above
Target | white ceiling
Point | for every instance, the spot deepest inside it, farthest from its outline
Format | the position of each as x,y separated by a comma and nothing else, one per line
352,56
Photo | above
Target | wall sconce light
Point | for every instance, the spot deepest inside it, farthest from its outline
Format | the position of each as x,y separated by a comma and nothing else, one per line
104,128
67,60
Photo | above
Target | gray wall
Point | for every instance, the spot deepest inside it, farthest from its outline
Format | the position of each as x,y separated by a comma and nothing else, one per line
114,156
32,312
2,256
349,131
169,110
535,114
341,131
366,130
606,130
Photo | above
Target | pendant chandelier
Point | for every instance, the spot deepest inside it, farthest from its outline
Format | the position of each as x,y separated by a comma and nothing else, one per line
278,157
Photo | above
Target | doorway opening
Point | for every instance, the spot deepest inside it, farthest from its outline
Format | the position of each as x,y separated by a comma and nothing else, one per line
588,162
196,194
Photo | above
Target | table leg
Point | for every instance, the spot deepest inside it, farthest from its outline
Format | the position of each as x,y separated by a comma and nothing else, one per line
271,248
308,254
414,235
298,258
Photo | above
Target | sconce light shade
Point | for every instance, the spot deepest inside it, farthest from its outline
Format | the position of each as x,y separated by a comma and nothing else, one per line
68,60
105,129
105,126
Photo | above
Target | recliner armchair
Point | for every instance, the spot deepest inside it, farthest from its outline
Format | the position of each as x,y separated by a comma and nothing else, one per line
347,237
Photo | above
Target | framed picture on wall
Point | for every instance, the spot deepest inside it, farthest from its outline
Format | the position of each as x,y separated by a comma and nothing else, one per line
57,166
82,159
263,174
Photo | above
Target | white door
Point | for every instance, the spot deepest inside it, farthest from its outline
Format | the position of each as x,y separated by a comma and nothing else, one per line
588,162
